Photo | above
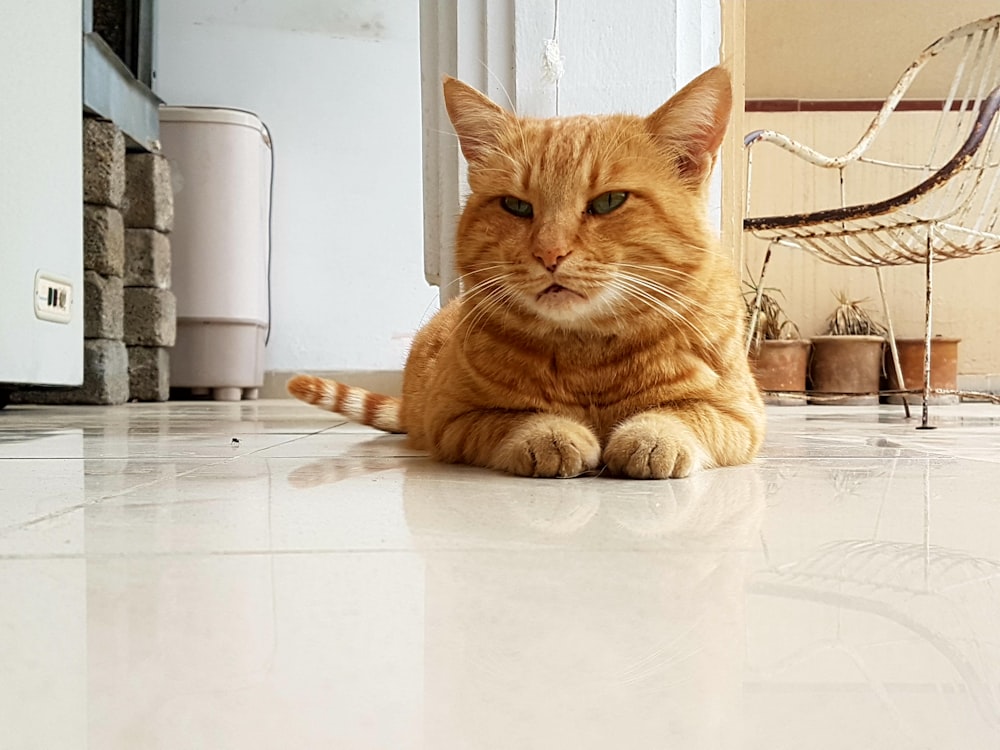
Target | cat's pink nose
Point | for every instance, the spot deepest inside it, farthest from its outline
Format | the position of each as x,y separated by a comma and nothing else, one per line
551,257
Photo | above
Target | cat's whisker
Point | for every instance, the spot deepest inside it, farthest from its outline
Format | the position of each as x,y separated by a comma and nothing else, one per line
478,312
484,265
666,291
507,304
678,317
496,79
684,318
685,300
489,283
651,302
703,249
670,272
499,300
483,268
489,292
666,288
613,301
454,282
478,268
636,288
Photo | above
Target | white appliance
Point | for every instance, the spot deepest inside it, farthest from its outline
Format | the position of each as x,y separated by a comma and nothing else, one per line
220,166
41,196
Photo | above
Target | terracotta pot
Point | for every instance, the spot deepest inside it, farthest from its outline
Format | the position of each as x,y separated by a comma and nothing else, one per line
944,369
846,365
781,366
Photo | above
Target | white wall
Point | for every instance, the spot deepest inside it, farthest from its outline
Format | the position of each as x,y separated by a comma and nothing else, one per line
338,84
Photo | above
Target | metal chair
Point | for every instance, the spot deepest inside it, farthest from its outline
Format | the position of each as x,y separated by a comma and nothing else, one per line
951,205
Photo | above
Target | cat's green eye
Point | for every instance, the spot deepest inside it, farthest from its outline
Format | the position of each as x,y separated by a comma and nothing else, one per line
521,209
606,203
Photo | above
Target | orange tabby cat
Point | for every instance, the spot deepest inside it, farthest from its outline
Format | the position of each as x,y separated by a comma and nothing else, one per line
600,325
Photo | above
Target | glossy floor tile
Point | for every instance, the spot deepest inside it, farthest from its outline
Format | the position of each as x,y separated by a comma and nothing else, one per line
261,575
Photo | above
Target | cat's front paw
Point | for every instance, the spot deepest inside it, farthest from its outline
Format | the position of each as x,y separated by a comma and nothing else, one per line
654,446
549,446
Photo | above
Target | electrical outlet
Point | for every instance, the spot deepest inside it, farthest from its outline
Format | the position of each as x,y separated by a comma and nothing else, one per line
53,298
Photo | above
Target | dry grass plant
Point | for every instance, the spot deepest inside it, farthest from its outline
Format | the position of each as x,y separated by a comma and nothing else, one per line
851,319
772,324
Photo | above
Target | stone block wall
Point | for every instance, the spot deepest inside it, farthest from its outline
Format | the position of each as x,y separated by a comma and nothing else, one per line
150,306
129,310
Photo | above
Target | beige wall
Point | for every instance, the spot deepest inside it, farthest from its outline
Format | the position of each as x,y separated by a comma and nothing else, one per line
796,49
844,49
733,57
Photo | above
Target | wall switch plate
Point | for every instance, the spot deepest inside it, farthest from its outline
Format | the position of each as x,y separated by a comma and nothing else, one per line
53,298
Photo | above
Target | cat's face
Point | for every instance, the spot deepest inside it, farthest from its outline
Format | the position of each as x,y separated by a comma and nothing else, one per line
580,219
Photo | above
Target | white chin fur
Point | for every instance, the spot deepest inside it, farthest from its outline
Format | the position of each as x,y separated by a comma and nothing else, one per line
569,310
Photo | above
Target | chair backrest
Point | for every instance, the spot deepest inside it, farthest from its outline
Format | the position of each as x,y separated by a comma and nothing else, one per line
974,52
972,195
961,70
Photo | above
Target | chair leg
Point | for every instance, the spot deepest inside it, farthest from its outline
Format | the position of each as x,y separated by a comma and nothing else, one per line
892,342
755,313
928,320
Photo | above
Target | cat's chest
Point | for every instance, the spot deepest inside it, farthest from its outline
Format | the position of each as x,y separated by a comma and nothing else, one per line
591,379
582,380
596,380
609,379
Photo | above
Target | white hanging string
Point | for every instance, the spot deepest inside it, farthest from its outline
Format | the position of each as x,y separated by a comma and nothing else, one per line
553,62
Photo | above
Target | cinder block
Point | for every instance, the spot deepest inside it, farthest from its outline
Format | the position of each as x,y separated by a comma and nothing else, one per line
148,373
147,258
150,317
149,197
103,306
105,378
103,240
103,163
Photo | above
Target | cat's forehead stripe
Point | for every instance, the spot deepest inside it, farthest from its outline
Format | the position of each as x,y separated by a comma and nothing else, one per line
563,147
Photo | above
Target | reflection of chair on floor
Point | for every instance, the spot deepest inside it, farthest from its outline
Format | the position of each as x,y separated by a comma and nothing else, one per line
948,598
948,207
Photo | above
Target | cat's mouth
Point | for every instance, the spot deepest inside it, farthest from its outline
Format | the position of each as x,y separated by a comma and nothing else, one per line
557,291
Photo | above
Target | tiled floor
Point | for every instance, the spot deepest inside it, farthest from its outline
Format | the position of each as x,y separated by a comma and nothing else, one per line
257,576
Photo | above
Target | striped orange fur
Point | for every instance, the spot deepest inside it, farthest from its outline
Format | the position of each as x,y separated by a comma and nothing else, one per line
600,326
357,404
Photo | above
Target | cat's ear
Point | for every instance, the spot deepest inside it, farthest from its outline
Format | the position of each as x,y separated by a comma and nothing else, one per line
692,124
477,120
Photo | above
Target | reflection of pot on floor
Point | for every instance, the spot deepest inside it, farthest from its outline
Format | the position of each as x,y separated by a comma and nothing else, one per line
944,370
780,366
849,368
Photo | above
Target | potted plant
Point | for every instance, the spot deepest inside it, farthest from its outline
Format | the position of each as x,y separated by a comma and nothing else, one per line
846,365
944,370
779,356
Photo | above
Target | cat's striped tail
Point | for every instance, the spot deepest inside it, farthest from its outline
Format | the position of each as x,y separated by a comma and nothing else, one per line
357,404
